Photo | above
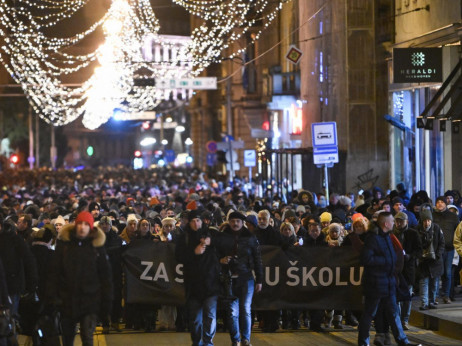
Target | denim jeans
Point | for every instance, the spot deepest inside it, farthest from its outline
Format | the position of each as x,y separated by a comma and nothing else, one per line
87,328
448,257
240,318
202,320
428,290
390,305
406,307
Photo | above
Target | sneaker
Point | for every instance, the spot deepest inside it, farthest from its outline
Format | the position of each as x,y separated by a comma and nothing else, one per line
432,306
246,343
338,325
379,339
423,307
446,300
352,322
405,326
386,339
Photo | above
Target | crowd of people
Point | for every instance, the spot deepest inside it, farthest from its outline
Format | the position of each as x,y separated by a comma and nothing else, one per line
63,235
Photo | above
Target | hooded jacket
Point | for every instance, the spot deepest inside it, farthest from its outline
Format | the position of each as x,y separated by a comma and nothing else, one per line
428,267
80,275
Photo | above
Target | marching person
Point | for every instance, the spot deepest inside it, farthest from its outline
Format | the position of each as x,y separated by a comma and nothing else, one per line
80,278
240,252
379,259
201,278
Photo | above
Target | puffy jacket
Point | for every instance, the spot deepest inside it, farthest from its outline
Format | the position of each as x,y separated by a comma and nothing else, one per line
201,272
379,259
80,274
448,222
245,249
43,257
428,267
268,236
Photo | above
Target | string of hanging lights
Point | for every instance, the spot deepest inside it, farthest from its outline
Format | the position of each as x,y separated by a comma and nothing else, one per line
40,62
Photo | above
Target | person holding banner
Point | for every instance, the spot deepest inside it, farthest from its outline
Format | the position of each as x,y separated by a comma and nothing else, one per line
201,278
241,254
379,285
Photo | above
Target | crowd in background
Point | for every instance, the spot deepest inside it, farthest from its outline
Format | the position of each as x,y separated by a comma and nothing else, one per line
48,257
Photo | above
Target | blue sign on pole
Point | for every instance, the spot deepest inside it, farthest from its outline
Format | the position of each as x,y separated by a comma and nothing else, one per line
324,134
211,159
170,156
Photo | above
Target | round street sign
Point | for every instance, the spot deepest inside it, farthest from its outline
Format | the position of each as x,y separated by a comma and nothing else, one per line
211,147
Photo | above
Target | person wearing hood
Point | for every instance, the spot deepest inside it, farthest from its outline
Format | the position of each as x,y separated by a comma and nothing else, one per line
80,280
448,222
430,261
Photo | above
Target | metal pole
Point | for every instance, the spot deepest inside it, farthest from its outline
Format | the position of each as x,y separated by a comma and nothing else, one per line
229,116
37,141
31,141
53,148
326,180
231,166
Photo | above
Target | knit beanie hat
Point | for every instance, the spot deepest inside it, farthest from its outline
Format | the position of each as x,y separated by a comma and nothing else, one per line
132,217
85,216
426,214
59,220
168,220
442,199
326,217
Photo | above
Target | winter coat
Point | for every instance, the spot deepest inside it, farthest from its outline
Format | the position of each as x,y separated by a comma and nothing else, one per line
379,260
288,242
458,239
412,246
201,272
43,255
308,241
113,246
4,300
448,222
412,220
268,236
244,247
19,264
428,267
80,274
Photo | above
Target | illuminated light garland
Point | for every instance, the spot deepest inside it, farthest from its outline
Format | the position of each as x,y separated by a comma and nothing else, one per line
38,62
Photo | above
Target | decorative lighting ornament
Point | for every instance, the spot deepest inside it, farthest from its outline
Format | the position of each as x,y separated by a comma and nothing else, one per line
40,63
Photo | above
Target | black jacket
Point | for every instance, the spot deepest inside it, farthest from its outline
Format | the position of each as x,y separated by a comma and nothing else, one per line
428,267
4,300
268,236
412,246
448,222
308,241
80,274
201,272
244,247
113,246
43,257
19,264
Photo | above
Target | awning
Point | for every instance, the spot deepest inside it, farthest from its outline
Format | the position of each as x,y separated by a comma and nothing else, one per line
452,86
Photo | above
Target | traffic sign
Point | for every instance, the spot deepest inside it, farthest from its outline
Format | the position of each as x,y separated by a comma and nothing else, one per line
234,145
326,155
211,147
169,155
211,159
250,158
324,134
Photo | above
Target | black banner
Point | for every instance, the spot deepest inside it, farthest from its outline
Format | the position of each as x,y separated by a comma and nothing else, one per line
417,65
302,278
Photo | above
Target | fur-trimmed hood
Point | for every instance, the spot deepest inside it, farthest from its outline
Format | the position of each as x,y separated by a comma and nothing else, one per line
97,235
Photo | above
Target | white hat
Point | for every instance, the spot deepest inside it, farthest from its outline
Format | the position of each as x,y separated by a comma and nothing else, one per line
59,220
132,217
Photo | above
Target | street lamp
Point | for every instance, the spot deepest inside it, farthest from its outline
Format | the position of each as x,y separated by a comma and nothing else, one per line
164,142
188,141
180,128
147,141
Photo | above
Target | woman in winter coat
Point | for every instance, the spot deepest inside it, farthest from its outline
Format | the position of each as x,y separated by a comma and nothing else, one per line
431,260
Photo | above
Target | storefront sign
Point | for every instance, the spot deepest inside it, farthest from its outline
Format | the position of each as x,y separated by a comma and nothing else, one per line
417,65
